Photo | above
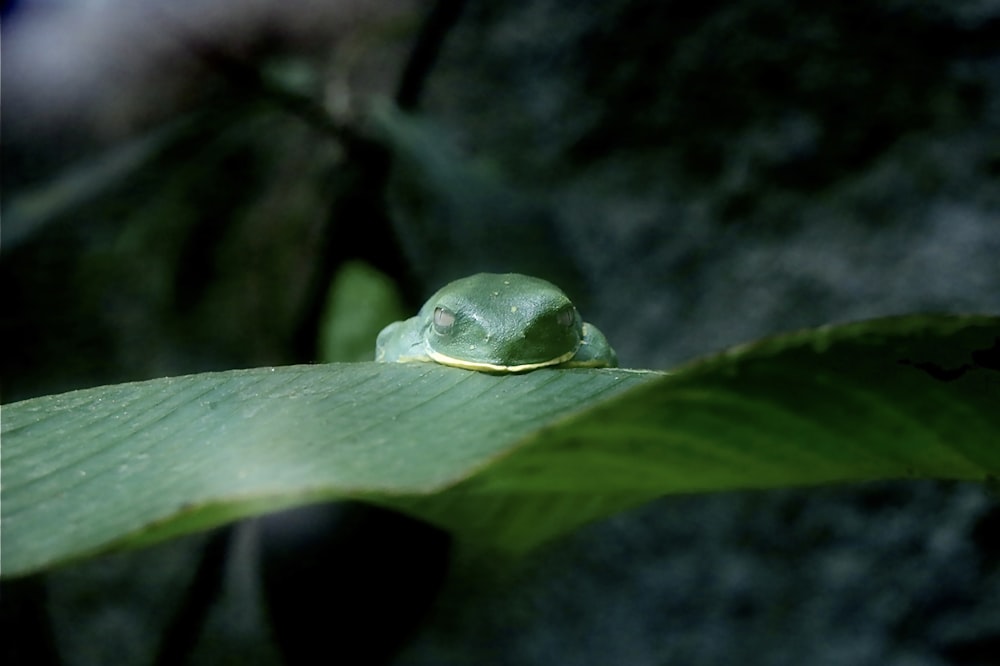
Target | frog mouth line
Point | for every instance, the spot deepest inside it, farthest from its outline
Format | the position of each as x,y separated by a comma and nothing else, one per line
496,367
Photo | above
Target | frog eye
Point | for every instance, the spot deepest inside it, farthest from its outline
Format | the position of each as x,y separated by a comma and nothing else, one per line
444,320
566,317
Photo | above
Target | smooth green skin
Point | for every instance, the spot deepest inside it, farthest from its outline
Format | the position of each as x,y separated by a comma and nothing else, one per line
497,322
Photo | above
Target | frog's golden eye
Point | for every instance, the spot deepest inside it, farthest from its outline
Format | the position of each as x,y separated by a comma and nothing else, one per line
444,320
566,317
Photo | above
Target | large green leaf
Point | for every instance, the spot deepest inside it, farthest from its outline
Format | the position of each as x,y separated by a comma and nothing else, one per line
504,460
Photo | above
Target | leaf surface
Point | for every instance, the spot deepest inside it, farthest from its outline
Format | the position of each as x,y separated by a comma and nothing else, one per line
507,461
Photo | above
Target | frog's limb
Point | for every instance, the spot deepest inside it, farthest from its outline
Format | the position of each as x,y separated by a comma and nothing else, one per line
594,351
401,342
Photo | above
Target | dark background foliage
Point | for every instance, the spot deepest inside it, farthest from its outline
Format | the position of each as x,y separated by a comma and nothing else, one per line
183,181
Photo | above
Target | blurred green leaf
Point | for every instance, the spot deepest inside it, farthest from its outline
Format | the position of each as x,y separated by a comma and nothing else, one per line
361,301
505,461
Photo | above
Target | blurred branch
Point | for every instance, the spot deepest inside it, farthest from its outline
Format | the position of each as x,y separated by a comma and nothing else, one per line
30,212
441,19
247,77
362,191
